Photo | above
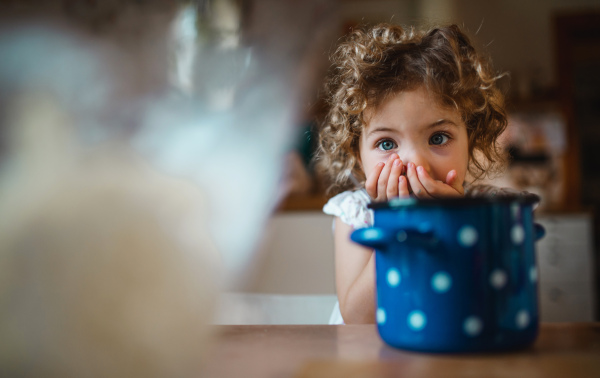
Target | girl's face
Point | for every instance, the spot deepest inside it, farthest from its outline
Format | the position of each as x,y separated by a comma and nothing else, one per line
413,125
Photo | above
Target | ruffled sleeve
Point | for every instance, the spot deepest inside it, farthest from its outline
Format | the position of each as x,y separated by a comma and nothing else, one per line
351,208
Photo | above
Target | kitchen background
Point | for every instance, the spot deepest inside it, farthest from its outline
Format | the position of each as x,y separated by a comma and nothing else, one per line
551,49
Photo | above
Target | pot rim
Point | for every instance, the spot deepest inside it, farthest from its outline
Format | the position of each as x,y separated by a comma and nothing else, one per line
529,199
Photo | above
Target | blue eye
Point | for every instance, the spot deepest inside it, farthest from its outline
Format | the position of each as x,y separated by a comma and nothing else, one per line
439,139
386,145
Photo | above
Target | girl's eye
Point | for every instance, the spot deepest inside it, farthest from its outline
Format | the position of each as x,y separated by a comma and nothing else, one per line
386,145
439,139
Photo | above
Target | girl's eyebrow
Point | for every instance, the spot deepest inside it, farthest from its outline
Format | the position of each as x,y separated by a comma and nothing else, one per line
441,122
381,130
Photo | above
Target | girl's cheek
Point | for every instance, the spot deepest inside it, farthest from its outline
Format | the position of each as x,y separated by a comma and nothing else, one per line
377,165
371,169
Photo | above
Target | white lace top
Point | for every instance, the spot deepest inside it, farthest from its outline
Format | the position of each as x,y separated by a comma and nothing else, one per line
351,208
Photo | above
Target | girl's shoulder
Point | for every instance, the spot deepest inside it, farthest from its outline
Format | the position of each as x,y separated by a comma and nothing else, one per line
351,207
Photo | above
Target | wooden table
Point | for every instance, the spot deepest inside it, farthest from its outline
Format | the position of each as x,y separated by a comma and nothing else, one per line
563,350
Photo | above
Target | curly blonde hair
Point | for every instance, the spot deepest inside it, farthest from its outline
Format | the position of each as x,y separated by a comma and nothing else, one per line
370,66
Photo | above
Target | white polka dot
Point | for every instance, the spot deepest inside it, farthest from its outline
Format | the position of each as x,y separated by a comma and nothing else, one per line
417,320
515,210
380,316
522,319
441,282
401,236
467,236
371,234
517,234
472,326
393,277
498,279
533,274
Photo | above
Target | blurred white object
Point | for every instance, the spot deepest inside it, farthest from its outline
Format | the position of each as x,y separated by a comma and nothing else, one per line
231,130
126,205
107,266
108,263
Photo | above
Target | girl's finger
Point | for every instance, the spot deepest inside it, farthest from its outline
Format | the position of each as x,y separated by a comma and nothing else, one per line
392,186
383,179
403,187
418,190
371,183
435,188
451,179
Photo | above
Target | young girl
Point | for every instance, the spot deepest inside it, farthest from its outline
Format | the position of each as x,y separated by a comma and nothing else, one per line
410,113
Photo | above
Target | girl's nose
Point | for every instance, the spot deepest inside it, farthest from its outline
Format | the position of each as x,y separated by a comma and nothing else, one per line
417,159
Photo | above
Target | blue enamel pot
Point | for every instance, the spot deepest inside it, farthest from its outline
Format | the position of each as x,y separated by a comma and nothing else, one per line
455,275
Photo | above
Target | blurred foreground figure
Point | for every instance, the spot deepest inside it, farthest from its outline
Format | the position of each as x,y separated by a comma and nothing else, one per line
132,192
107,268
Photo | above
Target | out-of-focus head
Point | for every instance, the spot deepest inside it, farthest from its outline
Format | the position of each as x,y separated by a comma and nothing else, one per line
107,265
140,163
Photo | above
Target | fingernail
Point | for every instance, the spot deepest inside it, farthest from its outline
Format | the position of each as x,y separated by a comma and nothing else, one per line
411,165
381,164
420,169
396,163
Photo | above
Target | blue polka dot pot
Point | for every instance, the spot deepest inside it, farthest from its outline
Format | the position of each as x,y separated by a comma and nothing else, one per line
455,275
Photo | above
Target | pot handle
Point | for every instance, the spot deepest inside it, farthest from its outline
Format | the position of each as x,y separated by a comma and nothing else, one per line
372,237
539,231
380,239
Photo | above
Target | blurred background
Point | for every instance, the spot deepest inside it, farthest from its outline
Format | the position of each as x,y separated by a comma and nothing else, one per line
216,101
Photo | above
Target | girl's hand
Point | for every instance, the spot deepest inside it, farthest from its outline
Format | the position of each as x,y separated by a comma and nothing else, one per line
386,181
423,186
